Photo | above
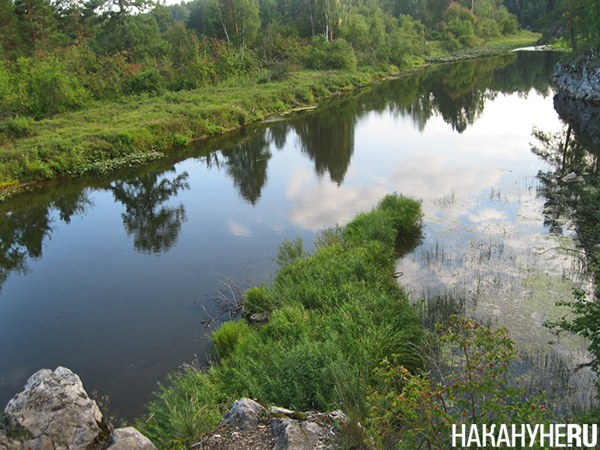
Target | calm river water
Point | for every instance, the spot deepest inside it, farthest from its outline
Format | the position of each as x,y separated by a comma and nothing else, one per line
113,277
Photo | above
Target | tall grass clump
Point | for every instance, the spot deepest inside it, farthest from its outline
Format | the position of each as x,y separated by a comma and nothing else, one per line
332,317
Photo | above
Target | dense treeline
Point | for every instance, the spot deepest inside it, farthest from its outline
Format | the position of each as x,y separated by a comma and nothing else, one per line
60,55
575,21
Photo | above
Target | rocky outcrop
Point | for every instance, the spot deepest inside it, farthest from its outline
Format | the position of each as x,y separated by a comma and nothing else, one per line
54,407
580,79
246,423
53,412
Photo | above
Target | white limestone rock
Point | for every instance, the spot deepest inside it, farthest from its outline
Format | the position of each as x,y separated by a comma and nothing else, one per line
55,409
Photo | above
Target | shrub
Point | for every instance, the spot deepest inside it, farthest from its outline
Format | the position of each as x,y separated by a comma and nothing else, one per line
257,301
146,80
411,409
341,55
459,27
330,55
48,87
509,24
16,127
488,28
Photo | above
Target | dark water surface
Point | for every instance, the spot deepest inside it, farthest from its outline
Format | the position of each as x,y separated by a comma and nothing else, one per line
111,277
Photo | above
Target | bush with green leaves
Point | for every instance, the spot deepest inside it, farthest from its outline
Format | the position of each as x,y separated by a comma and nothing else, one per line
45,87
16,127
337,54
458,27
417,410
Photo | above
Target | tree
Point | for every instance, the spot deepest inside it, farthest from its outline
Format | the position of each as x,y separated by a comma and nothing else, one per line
10,39
239,20
247,165
124,26
37,24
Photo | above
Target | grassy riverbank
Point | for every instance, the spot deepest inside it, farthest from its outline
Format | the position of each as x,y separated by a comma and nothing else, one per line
141,128
333,316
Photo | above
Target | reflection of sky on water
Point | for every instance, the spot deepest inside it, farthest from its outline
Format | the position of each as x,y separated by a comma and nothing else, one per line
391,155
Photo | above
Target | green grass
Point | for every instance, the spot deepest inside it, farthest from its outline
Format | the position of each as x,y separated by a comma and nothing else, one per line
492,47
142,128
333,316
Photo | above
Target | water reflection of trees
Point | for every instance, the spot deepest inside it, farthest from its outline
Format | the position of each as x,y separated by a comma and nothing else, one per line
571,187
247,165
328,138
154,225
456,92
24,227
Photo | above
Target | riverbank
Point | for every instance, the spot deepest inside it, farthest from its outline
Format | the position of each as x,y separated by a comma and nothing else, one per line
143,128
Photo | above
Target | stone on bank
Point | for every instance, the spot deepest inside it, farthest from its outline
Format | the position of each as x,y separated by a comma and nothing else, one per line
54,412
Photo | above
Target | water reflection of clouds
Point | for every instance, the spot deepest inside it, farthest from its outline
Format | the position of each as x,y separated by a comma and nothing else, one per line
322,203
319,203
237,229
488,215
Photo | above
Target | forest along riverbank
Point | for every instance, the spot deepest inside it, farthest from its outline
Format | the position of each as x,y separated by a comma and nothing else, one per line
120,135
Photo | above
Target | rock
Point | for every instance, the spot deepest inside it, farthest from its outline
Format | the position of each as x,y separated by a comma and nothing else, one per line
7,443
582,116
244,414
296,435
277,411
579,79
130,439
259,317
57,412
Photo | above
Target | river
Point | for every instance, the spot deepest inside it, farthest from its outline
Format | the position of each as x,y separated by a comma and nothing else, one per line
113,277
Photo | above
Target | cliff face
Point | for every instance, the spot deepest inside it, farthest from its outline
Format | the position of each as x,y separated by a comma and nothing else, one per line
580,79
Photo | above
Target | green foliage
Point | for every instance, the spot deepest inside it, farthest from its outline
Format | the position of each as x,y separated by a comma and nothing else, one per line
289,251
192,404
16,127
40,86
583,320
509,25
258,301
459,27
333,315
407,42
145,81
411,409
330,55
